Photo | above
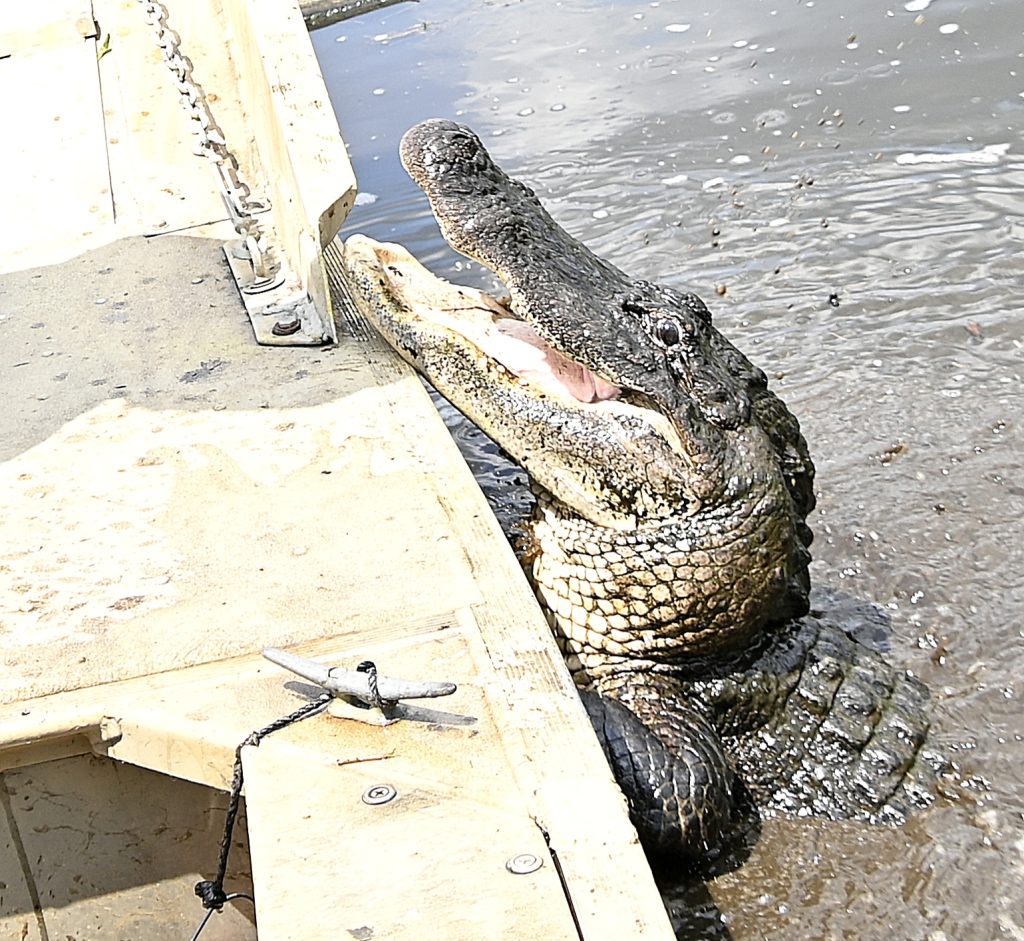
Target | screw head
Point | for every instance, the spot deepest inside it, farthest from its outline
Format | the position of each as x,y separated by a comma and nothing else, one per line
524,863
285,328
379,794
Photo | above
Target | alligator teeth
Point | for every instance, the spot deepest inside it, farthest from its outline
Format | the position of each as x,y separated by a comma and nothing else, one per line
488,324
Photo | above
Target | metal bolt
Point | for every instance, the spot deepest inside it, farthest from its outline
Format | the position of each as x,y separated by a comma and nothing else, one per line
285,328
262,285
379,794
523,864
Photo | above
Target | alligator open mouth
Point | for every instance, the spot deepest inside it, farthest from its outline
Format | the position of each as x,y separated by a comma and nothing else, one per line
668,544
474,317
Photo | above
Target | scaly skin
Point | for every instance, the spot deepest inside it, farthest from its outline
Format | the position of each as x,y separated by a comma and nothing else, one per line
816,723
669,547
628,601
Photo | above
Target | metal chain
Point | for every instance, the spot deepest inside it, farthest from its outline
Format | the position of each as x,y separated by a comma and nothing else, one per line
238,198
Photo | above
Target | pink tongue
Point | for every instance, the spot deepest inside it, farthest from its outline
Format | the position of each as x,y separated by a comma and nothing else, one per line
520,350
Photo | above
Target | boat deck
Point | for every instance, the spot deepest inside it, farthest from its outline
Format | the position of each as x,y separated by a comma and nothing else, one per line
175,498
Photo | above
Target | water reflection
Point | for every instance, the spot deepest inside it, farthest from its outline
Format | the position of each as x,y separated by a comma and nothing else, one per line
850,176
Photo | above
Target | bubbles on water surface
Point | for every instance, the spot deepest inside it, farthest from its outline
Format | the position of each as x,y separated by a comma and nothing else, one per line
772,118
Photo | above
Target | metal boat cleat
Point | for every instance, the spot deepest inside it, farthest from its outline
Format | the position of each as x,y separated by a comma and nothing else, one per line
364,695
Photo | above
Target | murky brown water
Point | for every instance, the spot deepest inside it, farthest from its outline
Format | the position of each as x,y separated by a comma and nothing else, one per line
801,158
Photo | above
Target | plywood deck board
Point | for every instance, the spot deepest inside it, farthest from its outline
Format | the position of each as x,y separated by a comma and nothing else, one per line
56,182
198,524
159,183
197,741
432,862
404,869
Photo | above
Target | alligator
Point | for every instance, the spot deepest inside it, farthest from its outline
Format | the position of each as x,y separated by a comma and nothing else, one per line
669,547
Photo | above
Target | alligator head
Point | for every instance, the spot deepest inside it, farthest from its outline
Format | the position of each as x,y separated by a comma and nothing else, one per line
673,486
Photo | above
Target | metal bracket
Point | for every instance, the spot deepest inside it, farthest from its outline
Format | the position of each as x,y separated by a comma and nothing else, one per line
281,313
278,303
363,696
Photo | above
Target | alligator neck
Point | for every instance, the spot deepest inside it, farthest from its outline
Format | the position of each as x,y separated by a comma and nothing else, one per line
664,595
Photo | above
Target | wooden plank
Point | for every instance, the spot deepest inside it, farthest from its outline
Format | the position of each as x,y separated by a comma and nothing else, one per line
159,183
429,864
200,525
55,180
404,870
132,564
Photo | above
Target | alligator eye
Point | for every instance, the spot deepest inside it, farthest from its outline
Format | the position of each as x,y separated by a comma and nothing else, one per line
667,332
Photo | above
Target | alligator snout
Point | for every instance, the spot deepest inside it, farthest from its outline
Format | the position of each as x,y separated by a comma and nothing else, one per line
436,149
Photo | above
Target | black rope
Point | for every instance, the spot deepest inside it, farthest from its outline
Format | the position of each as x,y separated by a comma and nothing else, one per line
211,891
213,911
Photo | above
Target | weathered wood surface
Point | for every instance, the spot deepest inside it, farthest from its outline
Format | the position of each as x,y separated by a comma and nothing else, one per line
100,147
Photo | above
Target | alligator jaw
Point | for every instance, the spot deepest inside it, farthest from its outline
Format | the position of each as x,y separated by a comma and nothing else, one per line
481,320
616,463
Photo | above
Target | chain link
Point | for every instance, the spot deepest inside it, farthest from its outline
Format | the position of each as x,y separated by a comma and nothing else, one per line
241,205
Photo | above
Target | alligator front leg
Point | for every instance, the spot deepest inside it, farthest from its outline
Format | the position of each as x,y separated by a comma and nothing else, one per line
821,723
669,763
